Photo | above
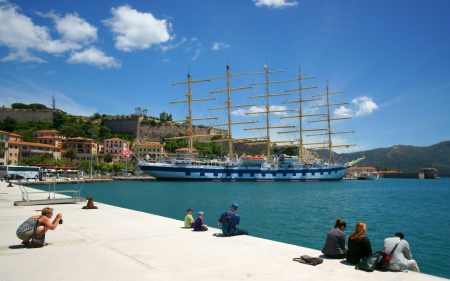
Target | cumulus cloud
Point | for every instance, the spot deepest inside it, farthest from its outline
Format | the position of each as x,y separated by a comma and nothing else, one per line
217,46
73,28
94,56
19,33
365,105
276,4
343,112
135,30
259,109
23,37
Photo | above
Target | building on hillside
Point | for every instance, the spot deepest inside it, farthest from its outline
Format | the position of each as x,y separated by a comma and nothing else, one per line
354,172
115,147
428,173
52,137
14,136
183,152
21,151
4,137
152,149
87,149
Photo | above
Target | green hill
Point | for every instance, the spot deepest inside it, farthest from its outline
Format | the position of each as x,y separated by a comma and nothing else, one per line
401,157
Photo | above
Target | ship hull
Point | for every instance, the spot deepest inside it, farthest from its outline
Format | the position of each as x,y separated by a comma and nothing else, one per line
214,173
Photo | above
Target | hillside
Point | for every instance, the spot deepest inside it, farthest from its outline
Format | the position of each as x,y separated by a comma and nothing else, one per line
401,157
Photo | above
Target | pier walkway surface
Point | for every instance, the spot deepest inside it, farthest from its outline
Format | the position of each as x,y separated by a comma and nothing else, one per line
112,243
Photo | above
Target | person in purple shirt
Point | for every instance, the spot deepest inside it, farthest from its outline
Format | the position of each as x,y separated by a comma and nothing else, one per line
198,224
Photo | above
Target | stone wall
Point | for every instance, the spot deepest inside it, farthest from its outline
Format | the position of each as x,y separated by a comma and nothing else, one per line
127,125
132,125
43,115
156,133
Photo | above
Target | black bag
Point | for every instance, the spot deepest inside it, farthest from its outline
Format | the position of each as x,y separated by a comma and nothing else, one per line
385,258
37,241
368,263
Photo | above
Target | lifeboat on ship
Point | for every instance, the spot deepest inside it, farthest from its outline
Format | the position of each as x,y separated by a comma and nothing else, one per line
248,160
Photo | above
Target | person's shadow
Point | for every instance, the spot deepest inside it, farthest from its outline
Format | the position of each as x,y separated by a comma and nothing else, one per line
20,246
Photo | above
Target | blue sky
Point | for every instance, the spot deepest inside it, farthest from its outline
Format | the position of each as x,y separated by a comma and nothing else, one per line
391,57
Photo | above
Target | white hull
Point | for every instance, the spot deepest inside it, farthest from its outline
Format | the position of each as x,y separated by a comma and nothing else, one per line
164,171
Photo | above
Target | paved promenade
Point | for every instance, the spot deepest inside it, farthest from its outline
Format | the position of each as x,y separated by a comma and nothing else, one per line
112,243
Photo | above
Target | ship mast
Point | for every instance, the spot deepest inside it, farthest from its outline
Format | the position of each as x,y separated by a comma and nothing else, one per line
228,90
329,144
300,116
267,106
189,119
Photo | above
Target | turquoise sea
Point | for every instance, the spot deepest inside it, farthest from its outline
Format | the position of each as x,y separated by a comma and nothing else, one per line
300,213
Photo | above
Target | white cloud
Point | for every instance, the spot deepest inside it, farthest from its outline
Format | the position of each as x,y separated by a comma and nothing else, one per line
76,29
343,112
259,109
217,46
93,56
276,4
136,30
19,33
365,105
22,37
170,46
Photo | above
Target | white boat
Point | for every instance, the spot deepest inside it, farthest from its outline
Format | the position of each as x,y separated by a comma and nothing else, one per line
254,168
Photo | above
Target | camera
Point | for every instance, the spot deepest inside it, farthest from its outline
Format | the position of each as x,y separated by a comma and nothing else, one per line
60,221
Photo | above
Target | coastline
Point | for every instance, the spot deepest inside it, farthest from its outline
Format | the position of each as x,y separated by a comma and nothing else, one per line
117,243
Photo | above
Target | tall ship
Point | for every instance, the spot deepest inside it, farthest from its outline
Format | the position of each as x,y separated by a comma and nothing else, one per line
188,166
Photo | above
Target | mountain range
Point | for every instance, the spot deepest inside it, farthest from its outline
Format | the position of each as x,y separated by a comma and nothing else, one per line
407,158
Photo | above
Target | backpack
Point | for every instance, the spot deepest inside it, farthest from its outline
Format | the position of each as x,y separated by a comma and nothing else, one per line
385,258
384,261
226,224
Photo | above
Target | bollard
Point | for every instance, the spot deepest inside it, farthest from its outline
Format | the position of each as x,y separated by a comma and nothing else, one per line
10,184
90,204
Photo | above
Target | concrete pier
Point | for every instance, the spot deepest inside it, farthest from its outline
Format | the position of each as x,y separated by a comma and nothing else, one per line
112,243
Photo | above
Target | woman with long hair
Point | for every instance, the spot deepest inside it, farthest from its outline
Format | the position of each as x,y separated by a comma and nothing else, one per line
335,243
358,244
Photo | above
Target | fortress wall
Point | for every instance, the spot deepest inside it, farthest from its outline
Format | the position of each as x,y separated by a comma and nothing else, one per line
156,133
128,125
43,115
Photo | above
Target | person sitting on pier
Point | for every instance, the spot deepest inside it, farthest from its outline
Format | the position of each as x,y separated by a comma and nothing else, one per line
358,244
401,259
198,224
335,243
188,219
229,219
26,229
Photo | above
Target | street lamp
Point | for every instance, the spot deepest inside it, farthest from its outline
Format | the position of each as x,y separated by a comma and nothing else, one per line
92,147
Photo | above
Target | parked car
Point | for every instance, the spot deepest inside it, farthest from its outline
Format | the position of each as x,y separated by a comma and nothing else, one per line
15,176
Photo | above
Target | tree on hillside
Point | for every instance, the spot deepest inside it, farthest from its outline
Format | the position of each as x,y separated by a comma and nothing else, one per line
164,117
71,154
9,124
139,111
108,158
19,106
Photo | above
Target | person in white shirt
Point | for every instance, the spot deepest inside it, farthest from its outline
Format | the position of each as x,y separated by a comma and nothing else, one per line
401,259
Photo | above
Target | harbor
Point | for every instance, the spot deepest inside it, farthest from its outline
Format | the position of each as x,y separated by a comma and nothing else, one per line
118,243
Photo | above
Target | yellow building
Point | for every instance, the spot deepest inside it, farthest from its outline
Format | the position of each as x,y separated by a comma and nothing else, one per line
52,137
85,148
152,149
21,150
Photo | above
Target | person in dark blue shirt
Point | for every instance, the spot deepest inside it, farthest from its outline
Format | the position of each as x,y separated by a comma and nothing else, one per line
198,224
232,218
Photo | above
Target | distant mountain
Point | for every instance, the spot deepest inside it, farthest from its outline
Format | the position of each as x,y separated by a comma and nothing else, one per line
401,157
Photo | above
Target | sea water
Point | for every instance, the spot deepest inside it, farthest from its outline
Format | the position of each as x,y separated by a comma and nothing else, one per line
300,213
